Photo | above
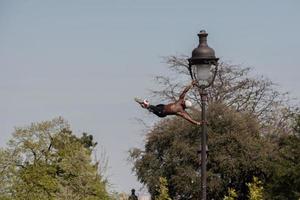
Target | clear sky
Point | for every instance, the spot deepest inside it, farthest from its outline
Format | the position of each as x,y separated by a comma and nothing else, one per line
85,60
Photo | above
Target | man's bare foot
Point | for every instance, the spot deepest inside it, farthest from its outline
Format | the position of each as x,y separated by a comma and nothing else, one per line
143,103
138,100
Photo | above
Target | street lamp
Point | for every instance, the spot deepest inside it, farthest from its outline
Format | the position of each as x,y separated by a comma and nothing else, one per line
203,66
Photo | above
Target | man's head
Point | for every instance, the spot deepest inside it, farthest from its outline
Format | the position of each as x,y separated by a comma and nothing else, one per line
132,191
188,103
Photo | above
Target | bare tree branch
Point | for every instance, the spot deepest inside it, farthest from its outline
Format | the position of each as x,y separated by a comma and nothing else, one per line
233,86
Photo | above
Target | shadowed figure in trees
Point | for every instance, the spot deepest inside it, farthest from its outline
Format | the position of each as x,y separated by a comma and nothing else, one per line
133,196
175,108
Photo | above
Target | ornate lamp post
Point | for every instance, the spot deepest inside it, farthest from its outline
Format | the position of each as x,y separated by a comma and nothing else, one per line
203,66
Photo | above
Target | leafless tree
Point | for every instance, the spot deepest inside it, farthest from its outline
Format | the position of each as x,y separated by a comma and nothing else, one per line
234,86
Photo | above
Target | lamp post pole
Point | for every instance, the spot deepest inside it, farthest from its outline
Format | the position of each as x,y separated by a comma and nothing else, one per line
203,144
203,66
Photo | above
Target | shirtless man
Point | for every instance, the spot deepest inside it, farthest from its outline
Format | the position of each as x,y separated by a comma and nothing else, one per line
176,108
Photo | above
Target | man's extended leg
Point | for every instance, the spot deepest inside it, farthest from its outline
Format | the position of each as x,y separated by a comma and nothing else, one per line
157,110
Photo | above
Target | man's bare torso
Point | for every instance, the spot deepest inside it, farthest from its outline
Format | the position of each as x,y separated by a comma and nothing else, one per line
174,108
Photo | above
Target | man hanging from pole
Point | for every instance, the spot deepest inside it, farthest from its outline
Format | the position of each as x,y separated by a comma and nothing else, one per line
175,108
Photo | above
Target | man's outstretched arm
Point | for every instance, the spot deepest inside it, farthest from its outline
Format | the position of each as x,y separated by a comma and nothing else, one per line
186,116
186,89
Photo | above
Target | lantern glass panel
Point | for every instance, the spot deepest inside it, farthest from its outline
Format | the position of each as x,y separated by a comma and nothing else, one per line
202,73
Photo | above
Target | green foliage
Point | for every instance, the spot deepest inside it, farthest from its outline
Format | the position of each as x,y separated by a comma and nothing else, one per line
250,134
255,189
232,195
121,196
285,182
236,154
163,192
47,161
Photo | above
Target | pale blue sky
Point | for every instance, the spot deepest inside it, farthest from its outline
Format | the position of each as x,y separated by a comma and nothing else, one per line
85,60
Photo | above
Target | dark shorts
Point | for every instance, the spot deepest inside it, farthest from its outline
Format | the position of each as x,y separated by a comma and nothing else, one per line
158,110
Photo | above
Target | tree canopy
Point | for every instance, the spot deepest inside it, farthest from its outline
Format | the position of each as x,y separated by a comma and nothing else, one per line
236,154
249,120
47,161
